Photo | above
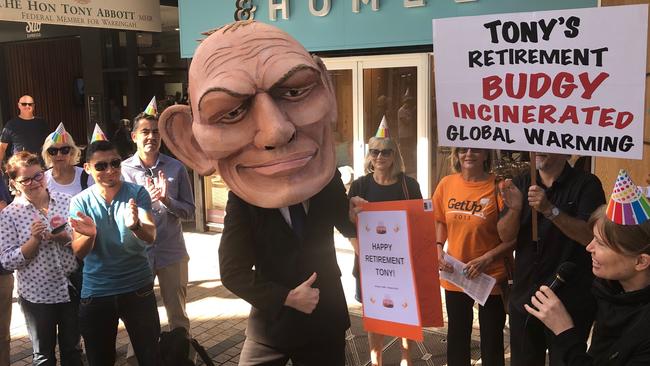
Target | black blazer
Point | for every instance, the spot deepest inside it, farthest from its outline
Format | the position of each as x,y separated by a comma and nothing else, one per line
261,260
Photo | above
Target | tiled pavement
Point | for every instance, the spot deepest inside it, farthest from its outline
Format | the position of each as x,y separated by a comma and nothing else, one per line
218,318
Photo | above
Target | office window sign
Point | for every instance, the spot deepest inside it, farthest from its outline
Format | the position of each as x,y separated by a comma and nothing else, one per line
141,15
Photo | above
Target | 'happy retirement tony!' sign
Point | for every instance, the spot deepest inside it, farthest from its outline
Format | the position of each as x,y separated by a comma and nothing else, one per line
569,81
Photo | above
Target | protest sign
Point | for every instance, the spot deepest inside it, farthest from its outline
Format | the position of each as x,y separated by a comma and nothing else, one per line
398,265
566,81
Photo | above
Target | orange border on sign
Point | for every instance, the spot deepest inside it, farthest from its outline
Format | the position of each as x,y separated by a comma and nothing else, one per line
425,235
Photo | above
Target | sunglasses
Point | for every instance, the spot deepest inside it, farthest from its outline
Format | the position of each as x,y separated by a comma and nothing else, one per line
28,181
385,153
26,104
103,165
52,151
464,150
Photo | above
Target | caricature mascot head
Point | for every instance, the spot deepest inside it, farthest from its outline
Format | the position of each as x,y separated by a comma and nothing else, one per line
261,114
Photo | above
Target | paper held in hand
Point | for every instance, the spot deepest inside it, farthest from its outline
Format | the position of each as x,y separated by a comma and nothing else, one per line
478,288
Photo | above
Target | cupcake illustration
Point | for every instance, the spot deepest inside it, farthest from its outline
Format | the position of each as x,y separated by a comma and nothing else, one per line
387,302
381,228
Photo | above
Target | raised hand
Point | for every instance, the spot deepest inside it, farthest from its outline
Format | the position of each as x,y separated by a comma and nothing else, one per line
131,218
38,230
153,189
83,225
537,200
161,184
511,195
304,298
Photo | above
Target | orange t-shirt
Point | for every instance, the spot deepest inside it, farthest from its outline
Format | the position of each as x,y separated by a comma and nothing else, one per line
469,211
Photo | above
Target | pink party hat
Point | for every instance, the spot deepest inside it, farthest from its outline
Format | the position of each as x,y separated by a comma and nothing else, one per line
151,109
627,204
59,136
382,131
98,134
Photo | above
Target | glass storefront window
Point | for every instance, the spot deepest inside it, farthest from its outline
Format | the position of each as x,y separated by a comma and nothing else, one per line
391,93
343,129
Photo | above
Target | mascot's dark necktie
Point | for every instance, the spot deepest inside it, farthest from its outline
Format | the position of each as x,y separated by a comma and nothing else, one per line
298,218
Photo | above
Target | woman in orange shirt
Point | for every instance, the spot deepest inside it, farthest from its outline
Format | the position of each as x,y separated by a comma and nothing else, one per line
466,210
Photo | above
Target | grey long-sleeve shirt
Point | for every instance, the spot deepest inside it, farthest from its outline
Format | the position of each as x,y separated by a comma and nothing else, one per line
169,247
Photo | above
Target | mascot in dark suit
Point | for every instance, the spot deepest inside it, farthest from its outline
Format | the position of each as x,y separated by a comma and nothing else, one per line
261,114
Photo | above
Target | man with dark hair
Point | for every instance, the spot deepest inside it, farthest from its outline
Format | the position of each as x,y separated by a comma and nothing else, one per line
117,279
563,199
25,132
168,184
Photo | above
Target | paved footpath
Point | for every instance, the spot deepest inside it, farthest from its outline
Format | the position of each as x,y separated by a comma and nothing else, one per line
218,318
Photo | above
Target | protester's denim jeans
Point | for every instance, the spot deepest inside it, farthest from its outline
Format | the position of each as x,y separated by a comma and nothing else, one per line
42,321
99,318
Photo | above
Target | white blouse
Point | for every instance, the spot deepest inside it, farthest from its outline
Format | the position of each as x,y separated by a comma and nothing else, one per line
73,188
44,278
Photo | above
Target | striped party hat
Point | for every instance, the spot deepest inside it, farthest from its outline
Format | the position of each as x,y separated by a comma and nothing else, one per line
382,131
98,134
59,136
627,204
151,109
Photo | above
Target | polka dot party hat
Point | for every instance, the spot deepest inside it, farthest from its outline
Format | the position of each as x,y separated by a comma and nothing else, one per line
60,135
627,204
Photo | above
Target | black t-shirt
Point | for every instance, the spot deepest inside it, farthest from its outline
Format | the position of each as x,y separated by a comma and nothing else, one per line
366,188
577,194
25,134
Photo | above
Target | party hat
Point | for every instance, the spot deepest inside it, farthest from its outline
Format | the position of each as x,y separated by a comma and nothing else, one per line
382,131
151,109
627,204
59,136
98,134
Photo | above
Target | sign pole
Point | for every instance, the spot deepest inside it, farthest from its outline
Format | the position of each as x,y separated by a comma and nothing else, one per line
533,182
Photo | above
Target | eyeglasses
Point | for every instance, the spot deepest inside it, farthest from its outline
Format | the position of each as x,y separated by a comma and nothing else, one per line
103,165
26,104
148,172
28,181
65,150
387,153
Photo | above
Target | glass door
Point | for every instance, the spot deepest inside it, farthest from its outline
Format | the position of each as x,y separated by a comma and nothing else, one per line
343,74
396,87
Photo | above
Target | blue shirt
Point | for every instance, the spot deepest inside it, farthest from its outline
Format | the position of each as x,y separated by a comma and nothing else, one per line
118,262
169,247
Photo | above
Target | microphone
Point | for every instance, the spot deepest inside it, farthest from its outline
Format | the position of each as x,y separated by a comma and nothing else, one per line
564,273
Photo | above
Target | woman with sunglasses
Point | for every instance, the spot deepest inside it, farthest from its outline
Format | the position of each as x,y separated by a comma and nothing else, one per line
36,243
620,256
384,181
61,155
466,210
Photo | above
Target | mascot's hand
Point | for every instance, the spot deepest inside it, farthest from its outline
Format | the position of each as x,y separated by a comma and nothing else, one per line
304,298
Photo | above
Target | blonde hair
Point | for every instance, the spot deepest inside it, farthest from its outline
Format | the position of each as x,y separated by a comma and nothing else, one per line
75,152
380,144
455,162
623,239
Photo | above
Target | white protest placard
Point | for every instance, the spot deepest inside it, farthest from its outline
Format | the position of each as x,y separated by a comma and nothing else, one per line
387,281
565,81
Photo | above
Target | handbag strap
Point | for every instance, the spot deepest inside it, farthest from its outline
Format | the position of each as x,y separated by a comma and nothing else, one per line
404,187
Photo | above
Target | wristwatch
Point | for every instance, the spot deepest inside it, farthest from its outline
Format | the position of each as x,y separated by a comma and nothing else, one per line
555,212
136,226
